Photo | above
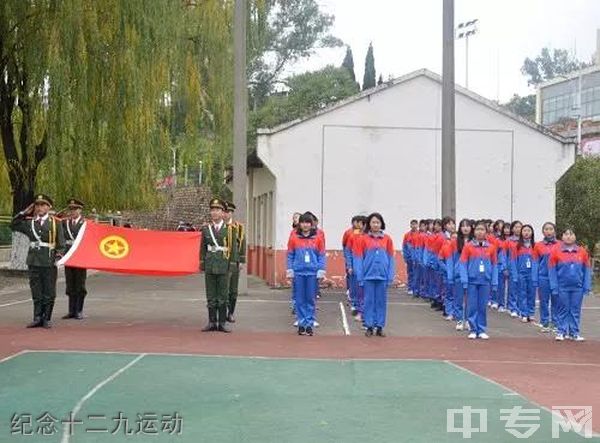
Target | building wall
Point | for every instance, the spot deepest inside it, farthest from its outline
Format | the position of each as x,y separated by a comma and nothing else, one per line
383,153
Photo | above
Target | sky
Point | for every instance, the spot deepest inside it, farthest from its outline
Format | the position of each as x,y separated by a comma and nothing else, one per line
407,35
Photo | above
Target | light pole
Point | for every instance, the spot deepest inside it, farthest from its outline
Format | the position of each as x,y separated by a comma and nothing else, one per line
448,118
466,30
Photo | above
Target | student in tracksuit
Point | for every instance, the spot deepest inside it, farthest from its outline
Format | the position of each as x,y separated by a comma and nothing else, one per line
358,224
464,236
417,256
503,271
432,249
513,285
408,245
306,265
571,279
375,267
524,272
448,229
479,277
548,302
498,236
445,259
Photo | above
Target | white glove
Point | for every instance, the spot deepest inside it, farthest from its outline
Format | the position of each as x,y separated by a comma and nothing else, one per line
320,274
289,273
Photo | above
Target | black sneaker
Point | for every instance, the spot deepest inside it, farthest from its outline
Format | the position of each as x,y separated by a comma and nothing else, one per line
301,330
379,332
354,312
309,330
369,332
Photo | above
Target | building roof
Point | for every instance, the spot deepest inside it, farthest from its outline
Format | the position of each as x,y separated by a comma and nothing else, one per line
403,79
570,76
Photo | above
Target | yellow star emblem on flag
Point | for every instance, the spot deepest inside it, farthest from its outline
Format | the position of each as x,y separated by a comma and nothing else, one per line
114,247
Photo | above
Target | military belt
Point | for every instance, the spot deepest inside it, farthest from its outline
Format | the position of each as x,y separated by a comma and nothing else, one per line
40,244
212,248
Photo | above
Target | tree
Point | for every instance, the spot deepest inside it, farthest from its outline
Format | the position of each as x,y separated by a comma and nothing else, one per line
369,76
522,106
550,64
348,62
94,95
308,93
578,201
283,32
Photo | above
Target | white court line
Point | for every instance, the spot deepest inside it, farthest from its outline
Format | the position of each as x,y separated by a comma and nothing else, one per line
512,392
14,302
66,434
538,363
10,357
344,320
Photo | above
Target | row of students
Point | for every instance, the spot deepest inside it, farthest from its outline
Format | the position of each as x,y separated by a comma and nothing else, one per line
498,265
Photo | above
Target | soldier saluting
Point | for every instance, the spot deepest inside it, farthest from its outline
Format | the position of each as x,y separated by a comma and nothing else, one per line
74,277
214,261
46,246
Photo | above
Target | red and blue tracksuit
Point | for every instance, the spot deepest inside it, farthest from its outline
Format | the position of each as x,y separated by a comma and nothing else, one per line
375,267
306,257
525,275
449,260
345,238
548,302
356,292
503,270
408,246
571,279
417,256
512,302
479,276
430,258
497,297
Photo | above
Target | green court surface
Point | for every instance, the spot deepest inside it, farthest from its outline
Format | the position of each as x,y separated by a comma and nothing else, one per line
224,399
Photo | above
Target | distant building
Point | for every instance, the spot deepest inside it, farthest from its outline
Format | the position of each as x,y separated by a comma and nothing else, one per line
558,100
380,150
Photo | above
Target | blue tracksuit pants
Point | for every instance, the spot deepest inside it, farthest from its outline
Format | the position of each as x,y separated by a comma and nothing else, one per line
459,300
305,290
477,298
547,302
513,295
375,308
410,273
449,307
569,316
526,296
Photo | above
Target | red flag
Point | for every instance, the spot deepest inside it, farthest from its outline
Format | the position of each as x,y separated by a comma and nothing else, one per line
134,251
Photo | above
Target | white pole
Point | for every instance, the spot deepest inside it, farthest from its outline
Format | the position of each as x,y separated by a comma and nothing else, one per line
467,62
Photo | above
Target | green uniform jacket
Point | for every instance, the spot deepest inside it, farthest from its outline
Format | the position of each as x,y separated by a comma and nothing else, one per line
237,236
41,256
71,229
214,262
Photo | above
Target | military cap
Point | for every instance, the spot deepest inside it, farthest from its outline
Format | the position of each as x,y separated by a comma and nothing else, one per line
217,203
229,207
74,203
43,198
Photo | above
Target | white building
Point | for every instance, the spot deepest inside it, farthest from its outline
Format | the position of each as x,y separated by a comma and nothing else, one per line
381,151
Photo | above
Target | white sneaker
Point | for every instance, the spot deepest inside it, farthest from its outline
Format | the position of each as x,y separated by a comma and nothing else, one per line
559,337
449,318
467,326
501,309
524,319
484,336
472,336
295,324
513,314
460,326
410,292
579,338
316,324
494,305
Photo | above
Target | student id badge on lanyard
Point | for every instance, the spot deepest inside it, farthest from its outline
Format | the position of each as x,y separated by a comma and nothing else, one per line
528,264
481,267
306,257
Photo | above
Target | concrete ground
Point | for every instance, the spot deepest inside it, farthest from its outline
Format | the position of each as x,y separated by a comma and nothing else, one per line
180,302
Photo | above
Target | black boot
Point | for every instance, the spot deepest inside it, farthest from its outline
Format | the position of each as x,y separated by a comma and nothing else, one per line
36,323
72,308
230,310
212,321
79,307
223,319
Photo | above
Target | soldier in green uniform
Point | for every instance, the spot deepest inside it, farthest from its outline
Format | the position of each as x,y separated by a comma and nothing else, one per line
214,261
74,277
47,245
237,239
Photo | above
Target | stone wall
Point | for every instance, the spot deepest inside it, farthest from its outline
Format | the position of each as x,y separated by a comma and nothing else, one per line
188,204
